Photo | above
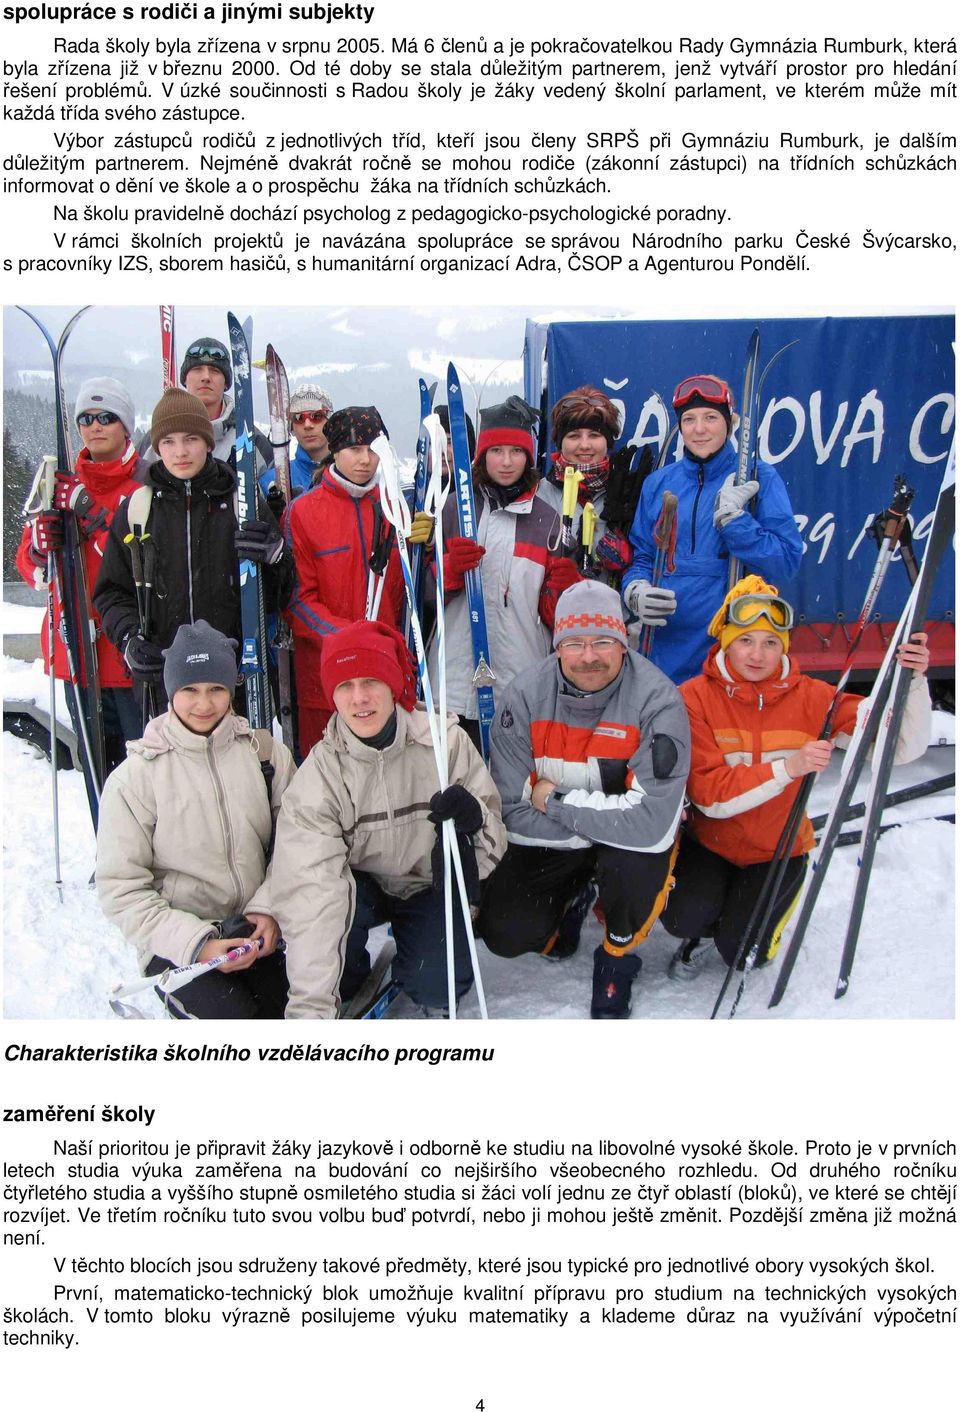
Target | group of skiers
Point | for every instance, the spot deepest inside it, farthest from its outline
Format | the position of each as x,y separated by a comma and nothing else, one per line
645,785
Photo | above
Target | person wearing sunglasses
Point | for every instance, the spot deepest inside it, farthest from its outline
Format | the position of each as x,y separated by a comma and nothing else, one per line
717,520
107,471
207,374
309,410
755,722
590,750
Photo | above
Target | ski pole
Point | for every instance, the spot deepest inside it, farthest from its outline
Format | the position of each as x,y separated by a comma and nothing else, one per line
854,758
746,451
398,512
572,476
419,497
77,628
278,402
484,676
170,980
892,801
450,845
46,480
588,533
763,907
749,431
890,727
149,551
665,537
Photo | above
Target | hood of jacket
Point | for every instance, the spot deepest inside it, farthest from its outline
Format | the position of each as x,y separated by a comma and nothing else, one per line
104,478
774,688
167,733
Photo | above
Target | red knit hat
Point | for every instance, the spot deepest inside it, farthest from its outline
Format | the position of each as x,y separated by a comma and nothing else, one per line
370,650
509,423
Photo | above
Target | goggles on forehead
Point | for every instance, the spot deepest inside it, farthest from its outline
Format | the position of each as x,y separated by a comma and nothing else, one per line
744,612
710,388
206,354
570,406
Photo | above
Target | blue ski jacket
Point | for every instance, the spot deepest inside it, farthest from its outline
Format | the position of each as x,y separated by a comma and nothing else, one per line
767,543
301,473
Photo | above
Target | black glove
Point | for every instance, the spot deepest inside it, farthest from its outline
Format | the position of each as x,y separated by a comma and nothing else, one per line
144,658
458,804
275,502
468,859
623,487
260,541
234,928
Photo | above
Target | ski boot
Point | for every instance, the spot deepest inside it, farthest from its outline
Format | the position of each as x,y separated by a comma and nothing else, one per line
566,939
689,959
612,978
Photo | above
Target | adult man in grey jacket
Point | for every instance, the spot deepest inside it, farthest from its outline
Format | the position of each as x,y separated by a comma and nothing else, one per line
590,753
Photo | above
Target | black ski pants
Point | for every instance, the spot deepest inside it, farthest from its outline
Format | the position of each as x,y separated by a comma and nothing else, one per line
420,966
528,893
122,721
258,993
713,897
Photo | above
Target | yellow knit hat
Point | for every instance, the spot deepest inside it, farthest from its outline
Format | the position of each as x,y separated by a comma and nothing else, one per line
774,618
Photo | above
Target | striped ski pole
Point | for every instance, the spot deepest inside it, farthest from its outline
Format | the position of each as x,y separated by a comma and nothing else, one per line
166,982
398,512
665,537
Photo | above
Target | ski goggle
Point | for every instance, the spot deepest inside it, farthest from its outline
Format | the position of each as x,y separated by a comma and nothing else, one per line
592,399
745,612
302,419
207,353
710,388
104,419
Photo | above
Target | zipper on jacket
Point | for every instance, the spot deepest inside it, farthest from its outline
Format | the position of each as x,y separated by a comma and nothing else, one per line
383,786
696,506
188,492
363,538
225,818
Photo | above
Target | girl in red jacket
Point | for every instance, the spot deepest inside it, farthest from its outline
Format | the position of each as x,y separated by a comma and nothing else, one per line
754,723
108,470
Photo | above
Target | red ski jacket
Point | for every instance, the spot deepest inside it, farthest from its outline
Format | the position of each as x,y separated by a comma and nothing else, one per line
331,535
110,483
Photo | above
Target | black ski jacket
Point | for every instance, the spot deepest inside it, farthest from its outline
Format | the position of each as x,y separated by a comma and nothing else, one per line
192,526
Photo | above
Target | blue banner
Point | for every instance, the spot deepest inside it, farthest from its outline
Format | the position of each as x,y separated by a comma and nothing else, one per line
855,402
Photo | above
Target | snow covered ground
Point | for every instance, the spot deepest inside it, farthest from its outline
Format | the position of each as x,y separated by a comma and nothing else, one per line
60,961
